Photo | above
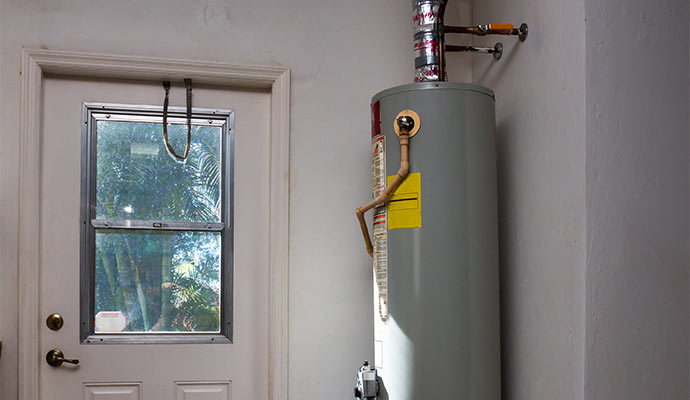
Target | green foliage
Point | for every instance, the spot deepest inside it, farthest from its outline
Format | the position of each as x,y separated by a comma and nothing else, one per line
163,281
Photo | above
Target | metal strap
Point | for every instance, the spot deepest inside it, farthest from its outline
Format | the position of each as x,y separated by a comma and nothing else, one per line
171,151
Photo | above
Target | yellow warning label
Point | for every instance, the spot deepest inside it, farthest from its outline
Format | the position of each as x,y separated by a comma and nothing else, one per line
405,204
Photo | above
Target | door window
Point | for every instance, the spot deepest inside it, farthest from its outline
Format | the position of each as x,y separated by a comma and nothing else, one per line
156,258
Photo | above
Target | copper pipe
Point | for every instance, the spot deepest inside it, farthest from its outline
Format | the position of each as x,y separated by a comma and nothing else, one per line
441,41
490,29
497,50
383,197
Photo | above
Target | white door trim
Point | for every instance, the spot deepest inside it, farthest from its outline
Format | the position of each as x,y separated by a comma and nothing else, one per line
37,62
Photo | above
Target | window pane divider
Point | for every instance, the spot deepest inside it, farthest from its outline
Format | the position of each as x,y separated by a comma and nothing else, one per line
157,338
158,225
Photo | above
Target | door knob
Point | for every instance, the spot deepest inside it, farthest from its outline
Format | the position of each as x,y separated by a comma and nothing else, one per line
55,358
55,322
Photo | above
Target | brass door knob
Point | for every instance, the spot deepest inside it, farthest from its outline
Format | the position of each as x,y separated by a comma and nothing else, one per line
55,358
55,322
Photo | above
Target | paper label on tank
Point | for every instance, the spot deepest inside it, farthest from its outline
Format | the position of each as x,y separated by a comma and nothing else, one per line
378,165
381,262
380,231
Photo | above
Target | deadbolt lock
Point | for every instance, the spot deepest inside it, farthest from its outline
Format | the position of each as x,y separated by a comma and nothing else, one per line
55,322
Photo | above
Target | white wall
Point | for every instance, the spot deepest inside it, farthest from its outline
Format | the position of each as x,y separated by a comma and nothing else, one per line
593,184
340,53
540,115
637,200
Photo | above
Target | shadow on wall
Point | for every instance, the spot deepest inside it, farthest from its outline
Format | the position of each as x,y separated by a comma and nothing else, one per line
505,197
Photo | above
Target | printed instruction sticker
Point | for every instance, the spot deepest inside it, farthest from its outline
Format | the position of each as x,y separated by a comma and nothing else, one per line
378,165
380,234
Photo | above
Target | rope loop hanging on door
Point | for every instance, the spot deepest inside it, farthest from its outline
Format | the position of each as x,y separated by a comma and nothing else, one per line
171,151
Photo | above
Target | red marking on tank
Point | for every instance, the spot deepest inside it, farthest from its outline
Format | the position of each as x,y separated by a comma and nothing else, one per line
376,119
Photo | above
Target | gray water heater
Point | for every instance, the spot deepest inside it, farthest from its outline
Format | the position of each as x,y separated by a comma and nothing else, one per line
435,244
434,239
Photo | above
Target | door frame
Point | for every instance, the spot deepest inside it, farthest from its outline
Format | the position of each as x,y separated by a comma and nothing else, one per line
36,62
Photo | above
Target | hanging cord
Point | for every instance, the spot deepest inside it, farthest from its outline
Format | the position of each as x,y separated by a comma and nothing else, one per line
171,151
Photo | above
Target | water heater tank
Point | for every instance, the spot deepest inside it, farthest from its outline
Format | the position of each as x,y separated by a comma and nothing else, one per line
436,245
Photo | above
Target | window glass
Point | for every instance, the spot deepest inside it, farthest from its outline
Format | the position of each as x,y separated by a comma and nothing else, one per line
137,180
159,281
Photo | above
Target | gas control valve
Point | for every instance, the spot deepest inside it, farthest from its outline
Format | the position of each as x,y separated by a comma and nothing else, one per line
367,382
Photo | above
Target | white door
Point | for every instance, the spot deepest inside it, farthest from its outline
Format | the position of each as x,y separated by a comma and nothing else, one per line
223,369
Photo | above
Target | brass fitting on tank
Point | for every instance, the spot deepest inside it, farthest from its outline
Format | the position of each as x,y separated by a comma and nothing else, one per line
406,121
406,124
